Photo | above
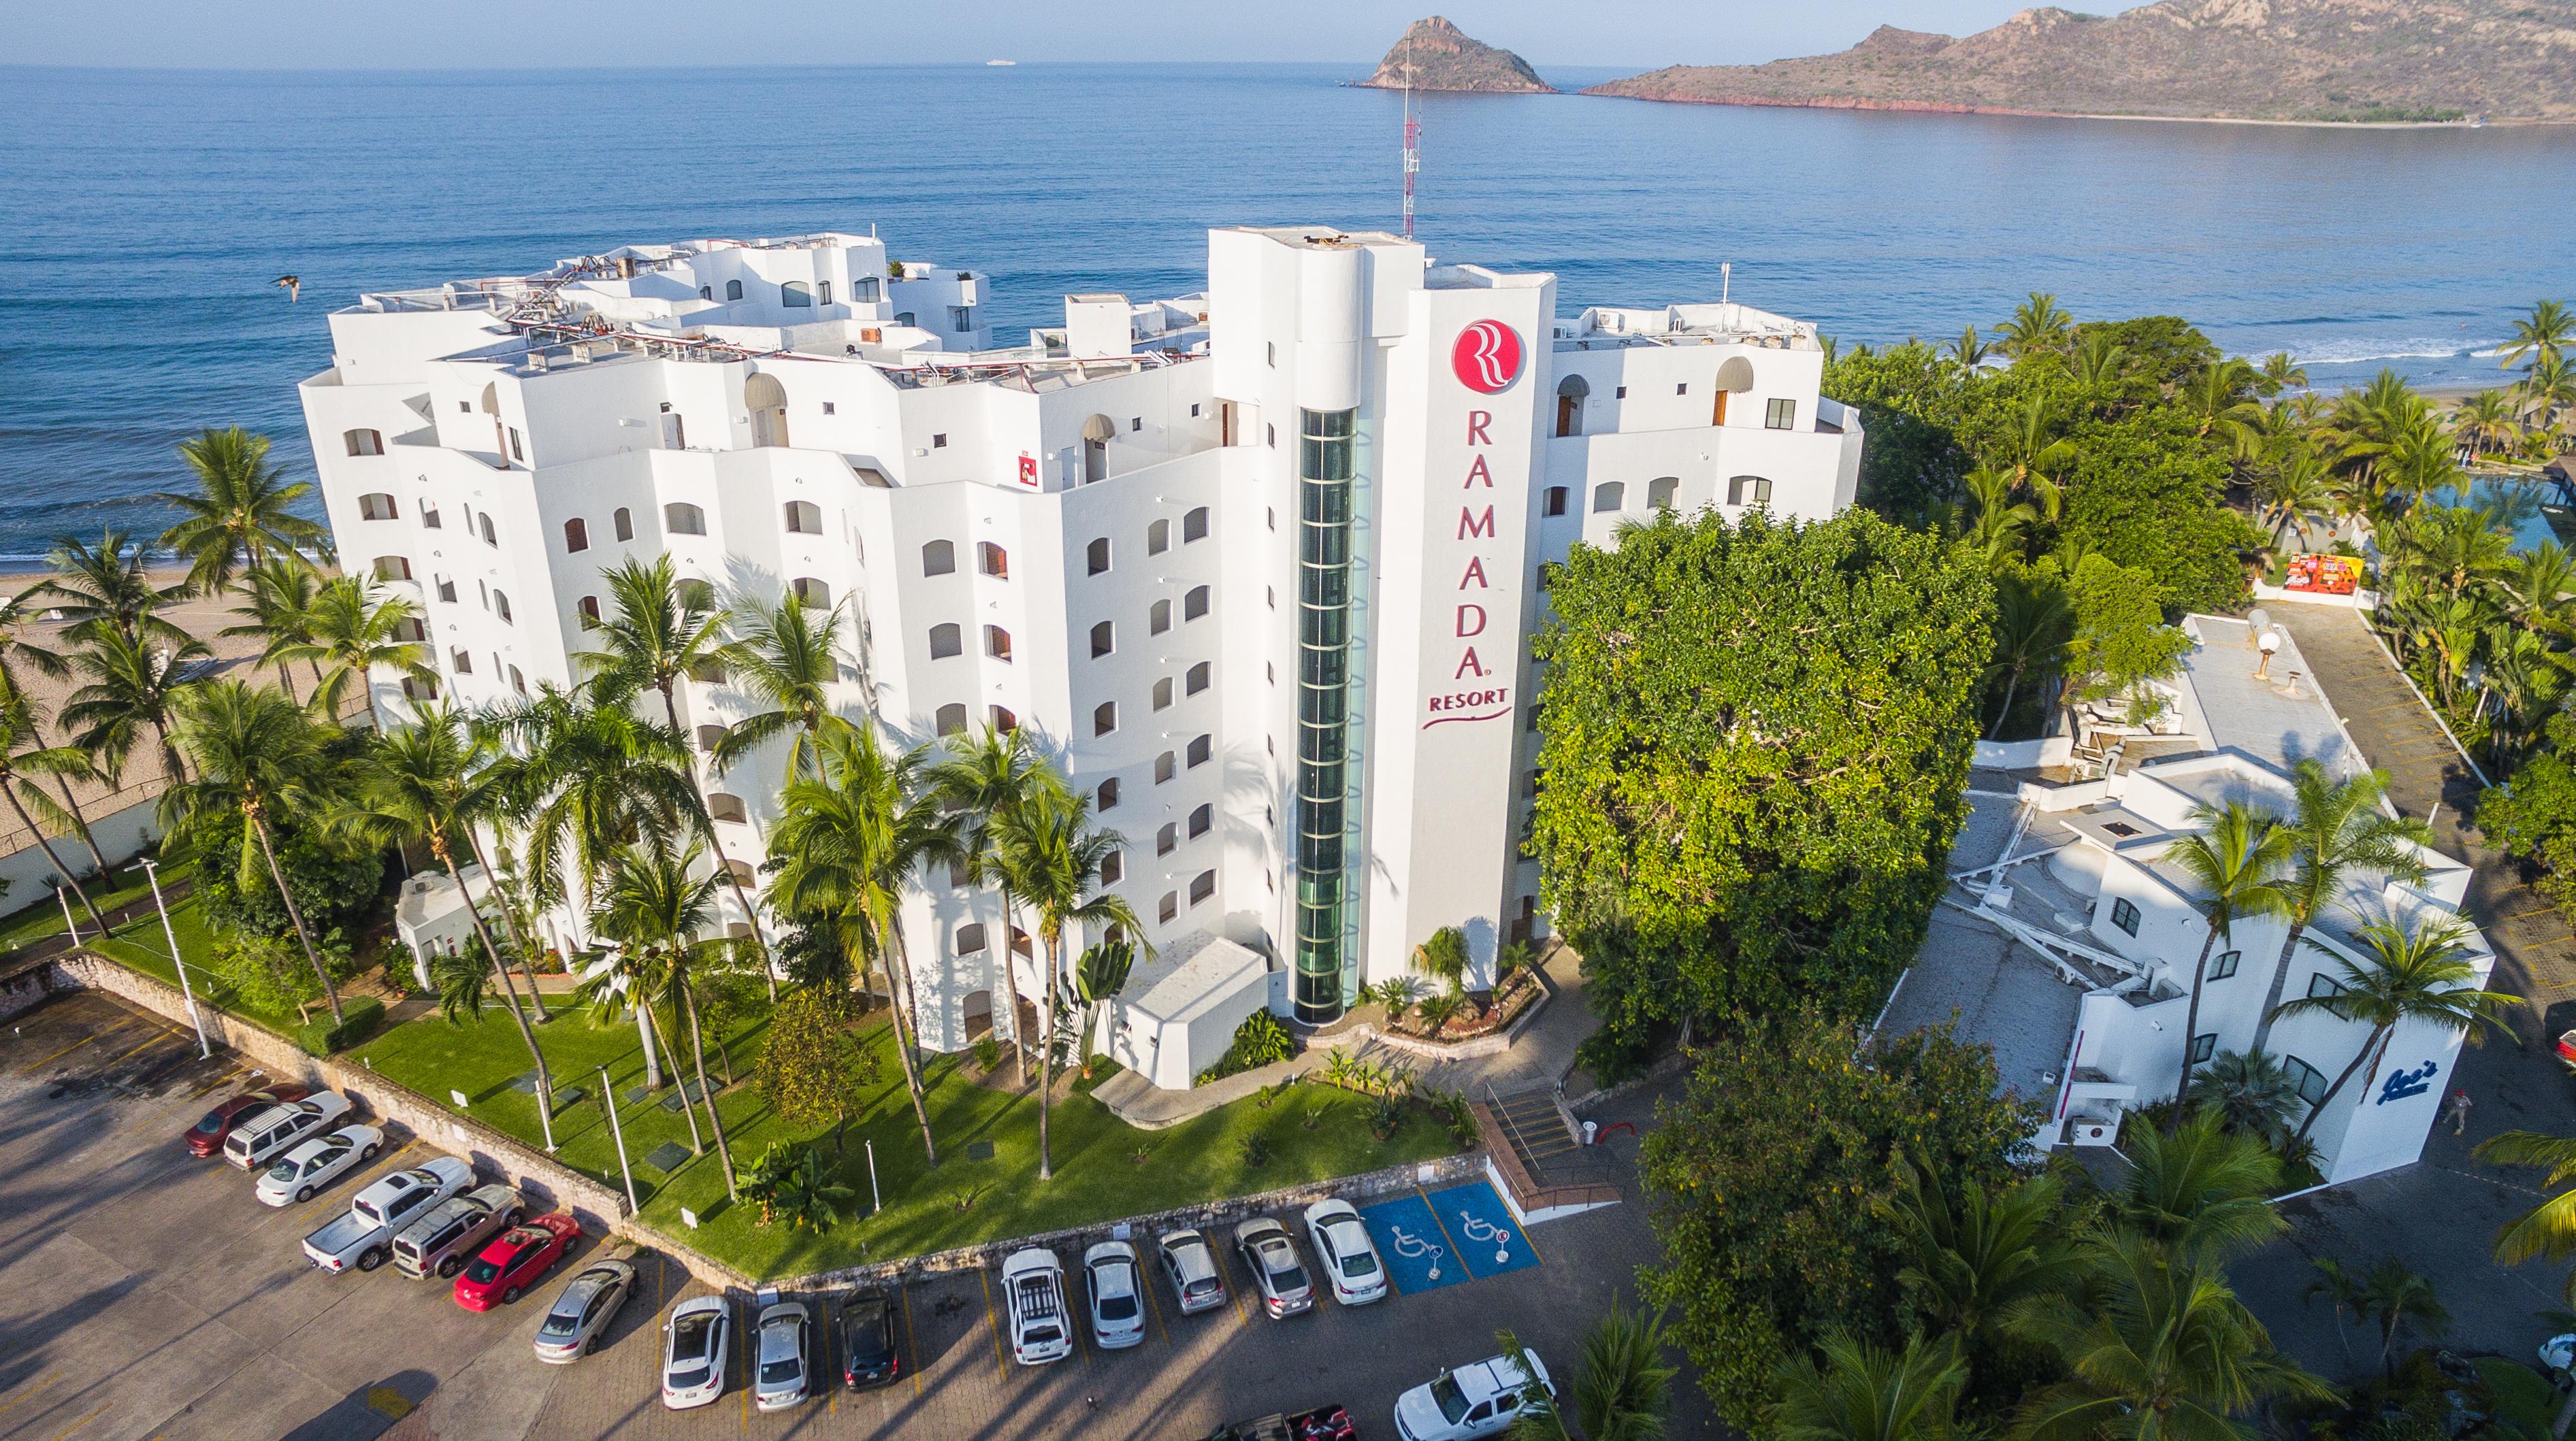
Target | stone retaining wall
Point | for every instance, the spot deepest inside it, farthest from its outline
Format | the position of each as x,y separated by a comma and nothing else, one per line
547,1182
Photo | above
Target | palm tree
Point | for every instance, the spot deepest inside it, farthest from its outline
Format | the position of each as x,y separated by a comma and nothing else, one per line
2232,860
2548,393
649,903
1622,1388
2542,335
17,612
2033,454
63,765
2164,1352
1968,350
277,609
241,514
661,630
130,686
430,781
2293,493
633,980
2034,620
2221,399
1053,857
2036,325
2398,1298
983,781
2338,827
22,734
2485,423
105,587
2343,1291
2541,580
355,628
2282,371
1098,977
849,840
2202,1191
1865,1392
2249,1092
2100,361
2418,972
2001,523
781,655
1970,1257
258,757
2546,1232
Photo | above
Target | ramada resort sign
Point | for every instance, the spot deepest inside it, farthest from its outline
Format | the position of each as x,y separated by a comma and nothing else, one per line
1486,359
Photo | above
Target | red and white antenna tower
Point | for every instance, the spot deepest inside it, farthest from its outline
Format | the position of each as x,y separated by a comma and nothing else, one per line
1412,141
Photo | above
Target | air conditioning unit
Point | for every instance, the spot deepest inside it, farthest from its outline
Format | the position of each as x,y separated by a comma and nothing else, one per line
2086,1131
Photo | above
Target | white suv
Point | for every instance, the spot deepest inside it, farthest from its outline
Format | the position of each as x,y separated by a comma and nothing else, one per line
270,1132
1350,1259
1033,1288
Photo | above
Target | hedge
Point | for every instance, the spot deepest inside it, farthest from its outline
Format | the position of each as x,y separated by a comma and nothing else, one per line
359,1019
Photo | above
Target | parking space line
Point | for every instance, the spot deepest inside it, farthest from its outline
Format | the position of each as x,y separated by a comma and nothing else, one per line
993,1325
1145,1283
148,1043
911,1333
1444,1233
65,1051
191,1097
85,1420
39,1384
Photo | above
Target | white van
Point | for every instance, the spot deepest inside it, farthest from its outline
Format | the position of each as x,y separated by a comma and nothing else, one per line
271,1131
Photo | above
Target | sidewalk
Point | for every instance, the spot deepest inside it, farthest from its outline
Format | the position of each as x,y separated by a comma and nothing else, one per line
1543,1052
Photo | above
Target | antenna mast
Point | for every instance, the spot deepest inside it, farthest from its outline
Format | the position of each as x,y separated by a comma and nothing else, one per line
1412,137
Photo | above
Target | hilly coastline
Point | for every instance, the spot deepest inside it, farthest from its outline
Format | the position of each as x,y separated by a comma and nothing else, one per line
1440,56
2284,60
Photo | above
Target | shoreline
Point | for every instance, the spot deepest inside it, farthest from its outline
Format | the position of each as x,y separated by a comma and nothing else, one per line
1940,107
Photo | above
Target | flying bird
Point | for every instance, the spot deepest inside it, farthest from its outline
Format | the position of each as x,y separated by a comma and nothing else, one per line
293,285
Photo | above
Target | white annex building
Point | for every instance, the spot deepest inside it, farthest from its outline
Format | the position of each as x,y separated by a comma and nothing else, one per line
1257,567
2068,940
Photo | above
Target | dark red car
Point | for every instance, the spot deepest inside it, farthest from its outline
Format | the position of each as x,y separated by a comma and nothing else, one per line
514,1261
206,1138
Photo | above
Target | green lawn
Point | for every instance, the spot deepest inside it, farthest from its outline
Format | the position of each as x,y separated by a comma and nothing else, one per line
1097,1178
139,943
39,915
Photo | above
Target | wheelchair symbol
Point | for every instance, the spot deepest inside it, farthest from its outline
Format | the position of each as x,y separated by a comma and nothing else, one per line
1477,1229
1411,1246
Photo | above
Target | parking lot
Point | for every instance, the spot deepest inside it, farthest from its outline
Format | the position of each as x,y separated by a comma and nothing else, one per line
145,1294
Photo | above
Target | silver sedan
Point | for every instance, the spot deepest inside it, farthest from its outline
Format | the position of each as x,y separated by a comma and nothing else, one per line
582,1313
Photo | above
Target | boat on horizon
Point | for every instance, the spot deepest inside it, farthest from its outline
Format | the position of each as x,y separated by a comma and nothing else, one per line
1001,62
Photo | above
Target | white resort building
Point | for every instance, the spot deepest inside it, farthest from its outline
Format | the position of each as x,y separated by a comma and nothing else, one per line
2068,941
1256,567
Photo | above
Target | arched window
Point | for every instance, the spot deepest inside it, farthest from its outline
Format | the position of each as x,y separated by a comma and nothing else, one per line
576,535
733,290
1158,618
796,295
1659,492
946,640
1202,821
766,400
393,567
725,807
1104,639
1608,495
1167,840
904,317
1104,718
518,682
624,520
992,560
1734,377
1096,555
706,292
813,593
1571,392
938,558
709,737
1748,490
1164,766
409,631
1168,907
588,606
1003,721
970,938
501,606
696,594
1195,603
1108,800
1202,886
744,876
1202,750
1113,868
804,517
708,672
428,516
1163,693
952,720
682,518
365,442
1158,537
1095,447
1194,524
376,505
1199,676
997,642
484,521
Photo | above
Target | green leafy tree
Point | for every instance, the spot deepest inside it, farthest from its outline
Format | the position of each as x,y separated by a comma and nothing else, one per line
1053,854
243,512
1972,1253
1772,1177
2532,815
2418,972
1621,1388
2231,863
2202,1191
2397,1299
2338,827
814,1071
2038,324
649,904
1755,739
1097,979
2034,621
808,1195
2145,492
267,974
1854,1390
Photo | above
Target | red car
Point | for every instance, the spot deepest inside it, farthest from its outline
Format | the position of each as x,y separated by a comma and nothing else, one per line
513,1263
206,1138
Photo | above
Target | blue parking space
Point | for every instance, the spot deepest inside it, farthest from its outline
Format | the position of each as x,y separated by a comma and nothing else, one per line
1408,1236
1475,1220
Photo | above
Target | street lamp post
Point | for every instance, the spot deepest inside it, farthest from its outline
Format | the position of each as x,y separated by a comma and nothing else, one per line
152,872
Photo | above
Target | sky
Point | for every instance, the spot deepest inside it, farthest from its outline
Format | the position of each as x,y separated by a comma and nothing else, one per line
537,34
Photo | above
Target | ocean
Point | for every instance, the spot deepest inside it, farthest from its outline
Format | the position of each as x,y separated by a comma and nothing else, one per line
148,212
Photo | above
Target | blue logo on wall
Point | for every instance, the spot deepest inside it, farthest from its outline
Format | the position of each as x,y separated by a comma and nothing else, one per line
2401,1084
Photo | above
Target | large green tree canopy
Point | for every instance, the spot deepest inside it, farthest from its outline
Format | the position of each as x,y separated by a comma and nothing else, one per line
1755,740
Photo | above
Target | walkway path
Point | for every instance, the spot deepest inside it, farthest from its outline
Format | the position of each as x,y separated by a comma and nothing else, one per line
1542,1052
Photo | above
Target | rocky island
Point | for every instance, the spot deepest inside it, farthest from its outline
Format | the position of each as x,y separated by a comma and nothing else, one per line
2287,60
1443,57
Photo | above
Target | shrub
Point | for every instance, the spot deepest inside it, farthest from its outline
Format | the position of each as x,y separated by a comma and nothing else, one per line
335,885
1386,1116
1259,1041
359,1018
988,1053
1256,1150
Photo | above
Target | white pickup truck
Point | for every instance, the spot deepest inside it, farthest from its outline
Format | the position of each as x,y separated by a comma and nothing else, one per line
364,1236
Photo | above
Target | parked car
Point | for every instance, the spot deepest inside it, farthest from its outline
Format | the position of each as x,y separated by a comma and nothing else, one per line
1117,1291
1479,1400
1324,1423
364,1237
694,1345
513,1263
867,1340
206,1138
580,1316
292,1179
1191,1268
1349,1257
263,1135
447,1236
1033,1289
779,1377
1272,1258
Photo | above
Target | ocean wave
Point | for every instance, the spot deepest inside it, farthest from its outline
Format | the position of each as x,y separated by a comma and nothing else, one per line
2368,352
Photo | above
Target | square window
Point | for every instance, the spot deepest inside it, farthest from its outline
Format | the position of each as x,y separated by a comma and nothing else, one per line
2223,965
1780,415
1623,392
2322,987
939,441
2310,1081
1135,423
1682,389
2124,914
2204,1046
1194,410
827,408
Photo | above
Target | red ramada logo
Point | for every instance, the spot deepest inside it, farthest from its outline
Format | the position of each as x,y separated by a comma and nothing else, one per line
1487,356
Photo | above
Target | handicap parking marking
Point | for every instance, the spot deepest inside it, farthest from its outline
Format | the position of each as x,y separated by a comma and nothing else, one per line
1489,1241
1418,1256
